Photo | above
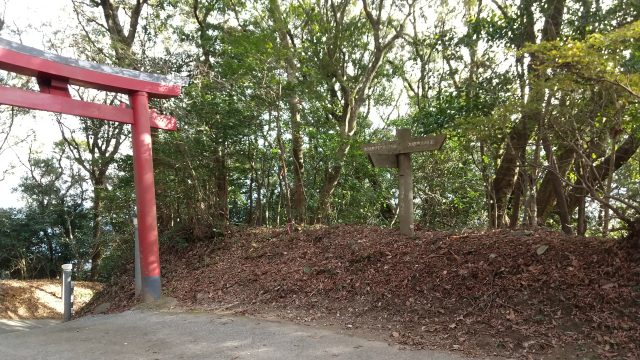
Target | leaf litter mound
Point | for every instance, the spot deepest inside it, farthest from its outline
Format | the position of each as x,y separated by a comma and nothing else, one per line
518,294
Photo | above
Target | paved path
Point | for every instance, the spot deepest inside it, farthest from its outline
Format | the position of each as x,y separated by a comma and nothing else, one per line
9,326
163,335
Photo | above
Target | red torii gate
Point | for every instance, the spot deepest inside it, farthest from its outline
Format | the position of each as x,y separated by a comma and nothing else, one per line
54,74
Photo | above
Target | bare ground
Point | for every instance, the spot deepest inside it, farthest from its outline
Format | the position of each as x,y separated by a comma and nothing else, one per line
39,299
508,293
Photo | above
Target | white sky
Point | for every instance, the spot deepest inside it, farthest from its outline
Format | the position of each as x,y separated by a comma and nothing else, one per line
30,18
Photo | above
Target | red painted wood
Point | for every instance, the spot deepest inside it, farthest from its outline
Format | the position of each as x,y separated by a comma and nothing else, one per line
38,67
164,122
145,187
54,87
60,104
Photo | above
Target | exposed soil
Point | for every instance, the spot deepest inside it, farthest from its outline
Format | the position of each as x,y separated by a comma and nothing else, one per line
508,293
40,299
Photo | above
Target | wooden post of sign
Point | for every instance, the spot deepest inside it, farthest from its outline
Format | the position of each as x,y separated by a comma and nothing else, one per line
405,195
397,154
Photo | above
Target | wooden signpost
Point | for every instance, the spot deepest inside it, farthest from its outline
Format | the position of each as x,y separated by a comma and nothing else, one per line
397,154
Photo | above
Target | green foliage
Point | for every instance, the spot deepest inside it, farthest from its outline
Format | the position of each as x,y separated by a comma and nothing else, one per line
16,239
610,58
53,227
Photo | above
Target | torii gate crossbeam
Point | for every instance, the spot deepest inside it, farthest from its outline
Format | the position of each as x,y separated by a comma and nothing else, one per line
54,74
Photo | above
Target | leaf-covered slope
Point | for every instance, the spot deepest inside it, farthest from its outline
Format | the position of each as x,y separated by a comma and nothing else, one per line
499,292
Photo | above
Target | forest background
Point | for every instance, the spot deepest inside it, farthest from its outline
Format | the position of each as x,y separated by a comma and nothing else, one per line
538,99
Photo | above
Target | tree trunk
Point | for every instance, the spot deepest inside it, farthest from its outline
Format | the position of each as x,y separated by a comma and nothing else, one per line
606,218
96,248
252,176
353,90
331,179
259,185
531,218
505,177
488,190
546,193
282,173
516,200
558,188
582,216
531,114
291,67
51,268
219,163
270,192
582,211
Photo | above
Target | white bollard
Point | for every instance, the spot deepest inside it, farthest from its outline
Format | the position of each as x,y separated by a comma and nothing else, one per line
67,292
138,275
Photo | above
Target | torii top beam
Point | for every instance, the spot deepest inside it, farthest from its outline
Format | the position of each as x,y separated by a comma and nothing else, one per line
34,62
55,72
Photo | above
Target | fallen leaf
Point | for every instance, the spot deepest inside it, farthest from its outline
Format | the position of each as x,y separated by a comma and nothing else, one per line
542,249
608,286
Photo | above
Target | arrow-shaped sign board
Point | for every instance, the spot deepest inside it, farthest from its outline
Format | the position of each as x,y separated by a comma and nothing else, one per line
426,143
384,160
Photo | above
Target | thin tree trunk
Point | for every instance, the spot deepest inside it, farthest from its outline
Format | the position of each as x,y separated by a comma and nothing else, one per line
259,185
489,195
291,67
532,208
609,183
526,190
252,176
331,179
516,200
582,214
267,209
561,200
279,203
606,219
219,163
282,173
51,264
96,248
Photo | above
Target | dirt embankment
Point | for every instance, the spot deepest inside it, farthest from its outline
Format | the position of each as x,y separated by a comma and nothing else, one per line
40,299
507,293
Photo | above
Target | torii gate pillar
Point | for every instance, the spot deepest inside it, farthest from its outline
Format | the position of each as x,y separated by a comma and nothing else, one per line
145,196
54,74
